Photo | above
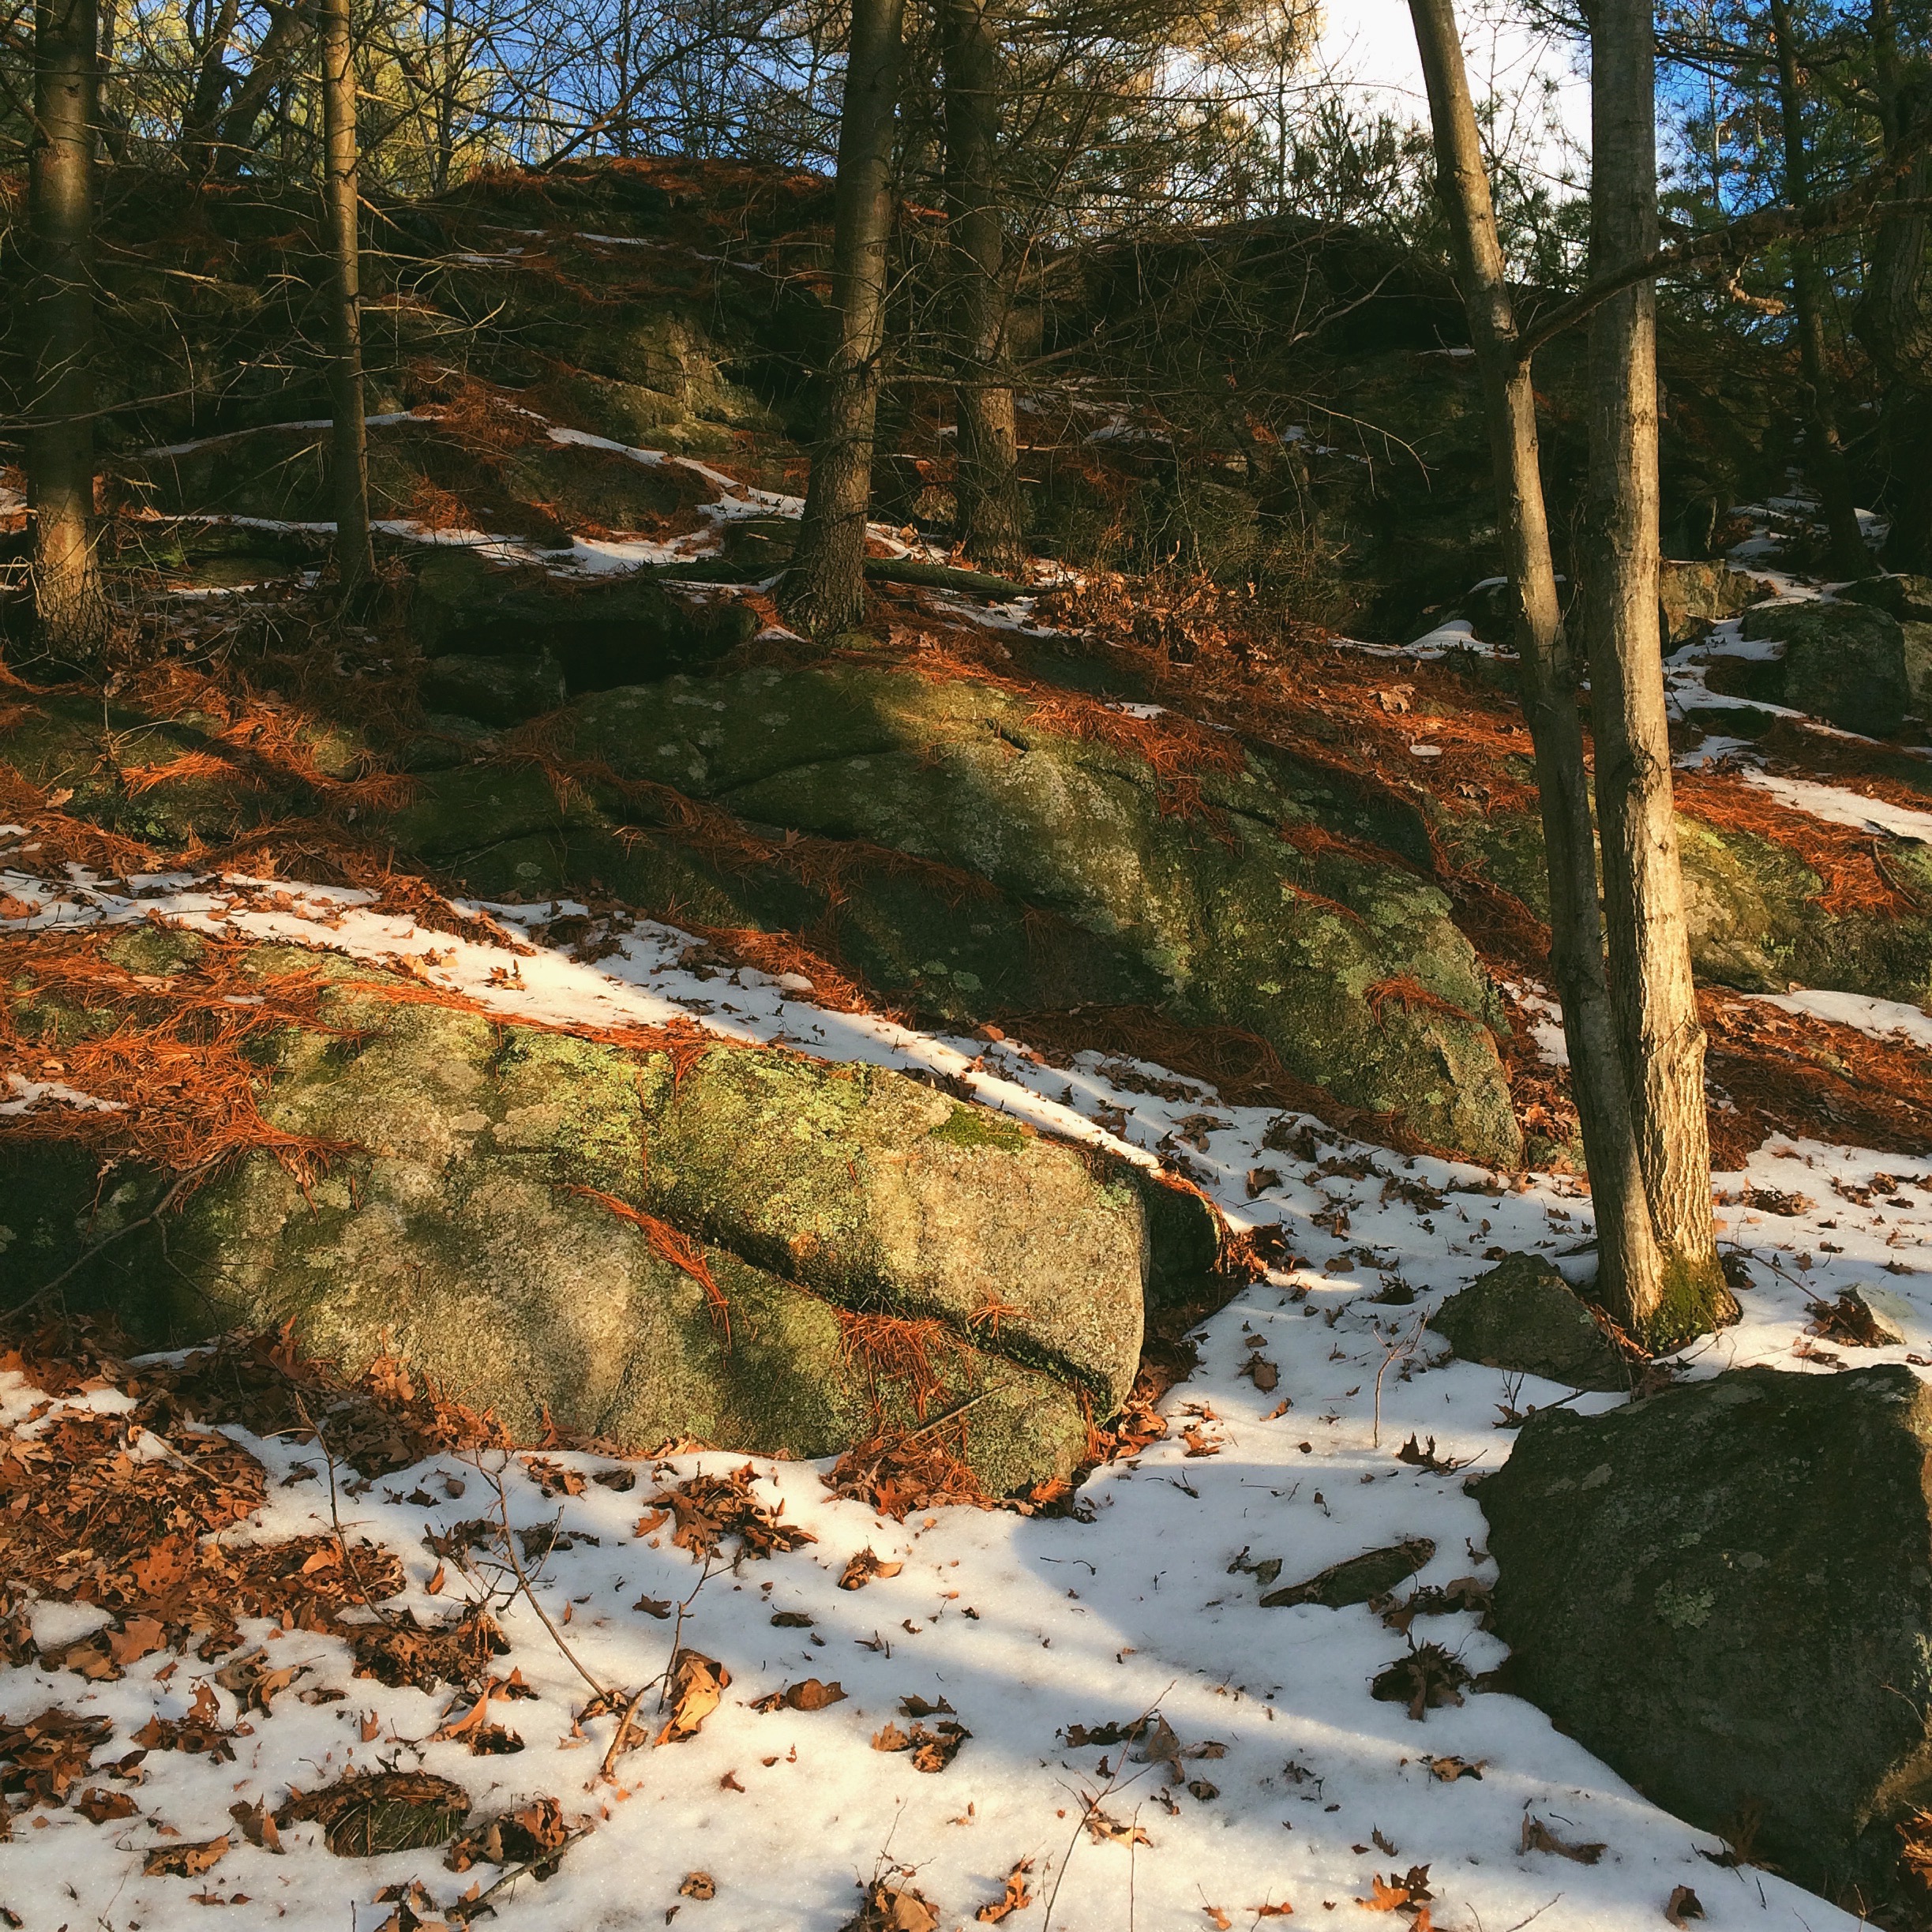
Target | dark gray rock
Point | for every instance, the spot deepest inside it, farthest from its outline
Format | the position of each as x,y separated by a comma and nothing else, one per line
1374,1572
1844,662
494,690
1909,599
1726,1592
1522,1315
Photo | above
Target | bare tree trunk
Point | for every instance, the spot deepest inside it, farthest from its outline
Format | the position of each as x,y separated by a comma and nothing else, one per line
354,560
1629,1272
1849,554
1891,319
825,591
200,123
67,600
288,27
986,471
1653,996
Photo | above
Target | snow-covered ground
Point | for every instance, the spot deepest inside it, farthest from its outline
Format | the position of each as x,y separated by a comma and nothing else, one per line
1286,1784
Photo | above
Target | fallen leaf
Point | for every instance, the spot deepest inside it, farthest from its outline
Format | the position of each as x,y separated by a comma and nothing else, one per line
1217,1918
534,1834
864,1567
658,1607
1283,1910
1537,1836
697,1685
891,1738
1105,1831
1683,1907
139,1637
730,1783
257,1825
811,1695
185,1860
1449,1770
698,1886
98,1806
888,1908
1015,1898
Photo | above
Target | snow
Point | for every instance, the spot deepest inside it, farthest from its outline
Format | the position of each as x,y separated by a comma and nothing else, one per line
1838,806
1025,1626
1883,1019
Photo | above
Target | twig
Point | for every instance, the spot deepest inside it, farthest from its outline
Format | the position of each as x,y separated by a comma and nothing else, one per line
662,1680
509,1549
335,1518
1405,1347
1089,1806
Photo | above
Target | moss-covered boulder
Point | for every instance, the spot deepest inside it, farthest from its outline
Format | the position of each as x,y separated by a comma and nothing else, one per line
1907,598
621,630
1522,1316
1693,595
750,1249
1725,1591
988,859
1842,662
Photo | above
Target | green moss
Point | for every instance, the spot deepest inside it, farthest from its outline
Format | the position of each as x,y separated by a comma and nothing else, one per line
1695,1299
974,1126
154,949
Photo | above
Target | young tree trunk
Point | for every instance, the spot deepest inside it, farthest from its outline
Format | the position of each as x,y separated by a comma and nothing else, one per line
987,469
354,560
1653,996
1629,1274
825,591
68,601
1824,449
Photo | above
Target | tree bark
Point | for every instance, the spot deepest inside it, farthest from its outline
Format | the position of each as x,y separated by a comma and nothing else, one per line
986,474
1891,320
1652,994
824,589
1848,553
1629,1272
354,559
69,604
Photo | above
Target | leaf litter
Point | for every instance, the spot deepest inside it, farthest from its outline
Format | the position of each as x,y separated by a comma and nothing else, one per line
180,1558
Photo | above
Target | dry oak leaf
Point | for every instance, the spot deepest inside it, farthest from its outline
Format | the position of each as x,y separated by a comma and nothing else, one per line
1218,1918
888,1908
534,1834
697,1685
864,1567
1282,1910
97,1806
1393,1894
811,1695
1683,1907
1016,1898
184,1860
698,1886
257,1826
1106,1830
1537,1836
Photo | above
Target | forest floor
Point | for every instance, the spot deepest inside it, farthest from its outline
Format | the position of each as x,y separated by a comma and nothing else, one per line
1079,1716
